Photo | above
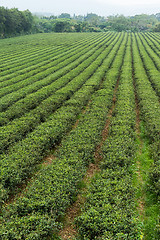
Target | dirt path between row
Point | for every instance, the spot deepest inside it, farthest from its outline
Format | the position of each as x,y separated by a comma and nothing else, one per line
69,232
141,198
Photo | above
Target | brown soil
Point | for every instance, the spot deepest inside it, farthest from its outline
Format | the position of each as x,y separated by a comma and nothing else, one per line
48,160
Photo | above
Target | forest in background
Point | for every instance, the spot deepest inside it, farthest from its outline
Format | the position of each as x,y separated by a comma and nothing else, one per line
14,22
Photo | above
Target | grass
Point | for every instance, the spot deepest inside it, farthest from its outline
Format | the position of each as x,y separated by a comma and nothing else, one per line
147,205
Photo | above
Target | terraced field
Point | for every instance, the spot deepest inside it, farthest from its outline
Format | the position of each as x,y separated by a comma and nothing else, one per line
80,136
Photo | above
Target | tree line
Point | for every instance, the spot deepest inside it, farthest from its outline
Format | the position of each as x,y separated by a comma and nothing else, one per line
94,23
15,22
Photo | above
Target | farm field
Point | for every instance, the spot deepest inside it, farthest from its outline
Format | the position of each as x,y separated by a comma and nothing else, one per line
80,136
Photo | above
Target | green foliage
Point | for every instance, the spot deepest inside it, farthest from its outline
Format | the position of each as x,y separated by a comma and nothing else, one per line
157,28
64,15
39,107
13,22
110,211
94,23
44,136
39,212
150,113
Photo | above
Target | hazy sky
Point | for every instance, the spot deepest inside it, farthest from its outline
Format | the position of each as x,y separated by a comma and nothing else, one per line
101,7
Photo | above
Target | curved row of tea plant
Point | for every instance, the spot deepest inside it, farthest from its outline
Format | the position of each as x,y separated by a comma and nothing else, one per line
18,164
152,52
18,128
57,68
17,49
33,100
40,51
19,102
110,211
154,37
21,47
151,43
39,72
50,56
15,54
39,211
150,114
7,70
149,65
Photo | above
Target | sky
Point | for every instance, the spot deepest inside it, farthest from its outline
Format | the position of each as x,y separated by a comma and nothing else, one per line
82,7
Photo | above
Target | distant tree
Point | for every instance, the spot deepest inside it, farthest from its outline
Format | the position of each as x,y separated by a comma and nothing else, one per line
78,27
16,18
59,27
157,15
143,22
157,28
13,21
62,26
64,15
37,25
27,20
119,23
53,17
92,18
79,18
2,21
